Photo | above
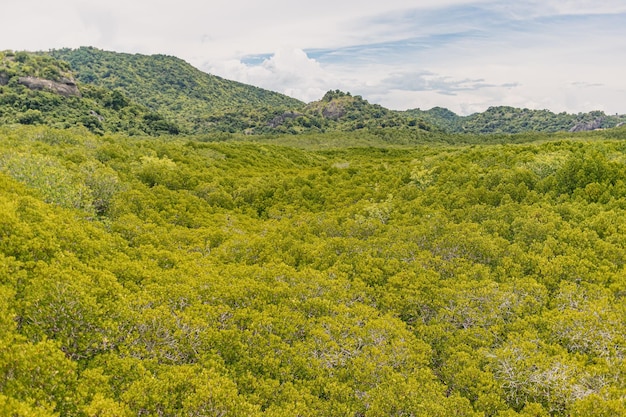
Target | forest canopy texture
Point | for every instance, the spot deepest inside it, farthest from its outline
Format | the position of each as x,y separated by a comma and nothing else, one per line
185,277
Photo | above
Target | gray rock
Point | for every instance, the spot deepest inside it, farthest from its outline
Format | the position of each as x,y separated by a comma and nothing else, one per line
585,126
333,110
279,120
66,87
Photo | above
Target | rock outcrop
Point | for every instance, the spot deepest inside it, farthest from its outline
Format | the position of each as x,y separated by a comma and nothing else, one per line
65,86
280,119
585,126
334,110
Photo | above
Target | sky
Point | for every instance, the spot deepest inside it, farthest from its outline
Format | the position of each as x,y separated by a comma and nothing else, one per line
560,55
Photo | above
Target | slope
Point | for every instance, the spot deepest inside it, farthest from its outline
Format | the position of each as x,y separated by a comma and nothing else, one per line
506,119
38,89
340,111
169,85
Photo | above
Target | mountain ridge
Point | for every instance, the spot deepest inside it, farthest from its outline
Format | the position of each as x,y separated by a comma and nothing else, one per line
169,85
507,119
169,95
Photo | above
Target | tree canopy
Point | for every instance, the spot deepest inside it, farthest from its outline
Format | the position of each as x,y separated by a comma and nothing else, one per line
339,275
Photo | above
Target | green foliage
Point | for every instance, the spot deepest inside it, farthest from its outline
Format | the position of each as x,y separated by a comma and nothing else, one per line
95,108
344,112
162,95
505,119
172,87
363,273
37,379
201,103
24,64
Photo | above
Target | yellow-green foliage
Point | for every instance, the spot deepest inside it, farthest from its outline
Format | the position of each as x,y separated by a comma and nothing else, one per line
208,275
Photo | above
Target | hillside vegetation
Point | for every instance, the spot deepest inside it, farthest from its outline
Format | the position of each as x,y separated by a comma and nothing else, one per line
158,94
199,102
108,92
216,275
37,89
505,119
206,103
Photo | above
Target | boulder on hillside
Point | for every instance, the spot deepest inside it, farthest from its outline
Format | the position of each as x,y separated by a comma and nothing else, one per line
282,118
65,86
585,126
334,110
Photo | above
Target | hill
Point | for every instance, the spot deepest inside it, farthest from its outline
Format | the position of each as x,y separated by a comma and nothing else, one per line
163,94
204,103
340,111
505,119
198,101
38,89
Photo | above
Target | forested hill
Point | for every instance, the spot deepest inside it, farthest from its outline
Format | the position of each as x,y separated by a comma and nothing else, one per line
40,90
505,119
157,94
198,102
169,85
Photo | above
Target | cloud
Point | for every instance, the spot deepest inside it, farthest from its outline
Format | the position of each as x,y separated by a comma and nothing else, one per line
579,7
585,84
101,21
428,81
289,71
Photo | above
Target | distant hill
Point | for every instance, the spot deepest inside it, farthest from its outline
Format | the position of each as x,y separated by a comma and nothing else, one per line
108,92
198,101
340,111
203,103
157,94
504,119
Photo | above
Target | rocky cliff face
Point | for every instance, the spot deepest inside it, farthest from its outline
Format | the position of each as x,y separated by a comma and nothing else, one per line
65,86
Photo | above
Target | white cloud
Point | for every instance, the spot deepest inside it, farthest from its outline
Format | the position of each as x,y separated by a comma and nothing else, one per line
289,71
581,7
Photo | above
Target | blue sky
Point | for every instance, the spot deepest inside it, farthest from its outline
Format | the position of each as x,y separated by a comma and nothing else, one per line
463,55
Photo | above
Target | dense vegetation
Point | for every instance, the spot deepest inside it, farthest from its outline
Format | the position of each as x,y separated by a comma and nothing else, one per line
139,94
213,275
198,101
154,95
505,119
94,108
205,103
